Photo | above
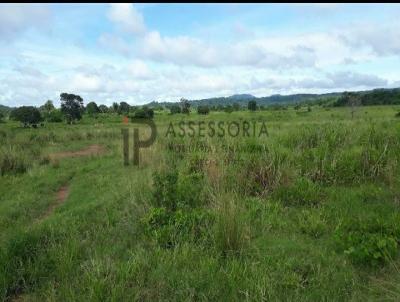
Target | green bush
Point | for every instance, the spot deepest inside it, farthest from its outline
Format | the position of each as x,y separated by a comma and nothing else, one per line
175,109
190,190
174,191
203,110
144,112
369,241
54,116
165,189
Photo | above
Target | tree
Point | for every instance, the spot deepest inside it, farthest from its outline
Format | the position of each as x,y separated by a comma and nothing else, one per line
71,106
47,107
203,109
28,115
236,106
2,116
55,116
351,99
175,109
185,106
123,108
103,109
252,105
115,107
144,112
228,109
92,109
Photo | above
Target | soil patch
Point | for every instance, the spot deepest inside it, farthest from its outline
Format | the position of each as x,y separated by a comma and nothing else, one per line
90,150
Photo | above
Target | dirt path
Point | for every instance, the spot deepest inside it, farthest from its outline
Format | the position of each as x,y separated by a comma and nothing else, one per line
90,150
61,197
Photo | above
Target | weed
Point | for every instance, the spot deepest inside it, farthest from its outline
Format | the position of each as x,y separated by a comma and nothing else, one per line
369,241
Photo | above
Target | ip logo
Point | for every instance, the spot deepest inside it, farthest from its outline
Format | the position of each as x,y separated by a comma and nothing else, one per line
137,143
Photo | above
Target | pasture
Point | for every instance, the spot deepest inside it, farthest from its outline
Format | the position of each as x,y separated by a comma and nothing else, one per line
309,212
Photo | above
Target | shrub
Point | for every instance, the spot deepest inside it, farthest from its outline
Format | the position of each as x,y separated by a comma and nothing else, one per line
175,109
54,116
369,241
228,109
190,190
173,191
28,115
203,110
145,112
252,105
165,189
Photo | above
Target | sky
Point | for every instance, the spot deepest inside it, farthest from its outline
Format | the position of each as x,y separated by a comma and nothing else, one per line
140,53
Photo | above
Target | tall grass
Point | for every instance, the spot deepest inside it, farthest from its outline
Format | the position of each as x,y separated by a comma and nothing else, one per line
249,219
231,231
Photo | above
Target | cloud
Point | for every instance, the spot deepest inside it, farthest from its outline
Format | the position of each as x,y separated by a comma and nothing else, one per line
139,70
382,39
127,18
179,50
86,83
138,64
352,79
187,51
190,51
345,44
15,18
330,81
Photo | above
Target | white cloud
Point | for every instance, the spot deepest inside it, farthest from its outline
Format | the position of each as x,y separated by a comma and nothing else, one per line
15,18
85,83
157,66
381,39
353,79
127,18
139,70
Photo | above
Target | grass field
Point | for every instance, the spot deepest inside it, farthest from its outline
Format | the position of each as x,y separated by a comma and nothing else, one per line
308,213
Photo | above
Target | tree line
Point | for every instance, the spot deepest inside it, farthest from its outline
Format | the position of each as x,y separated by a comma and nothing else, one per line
71,110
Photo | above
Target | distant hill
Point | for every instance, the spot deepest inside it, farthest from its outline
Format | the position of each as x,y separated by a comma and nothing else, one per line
5,109
243,99
368,97
238,97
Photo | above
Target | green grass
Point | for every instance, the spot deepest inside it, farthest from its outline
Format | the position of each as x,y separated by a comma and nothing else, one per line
309,213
